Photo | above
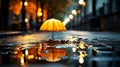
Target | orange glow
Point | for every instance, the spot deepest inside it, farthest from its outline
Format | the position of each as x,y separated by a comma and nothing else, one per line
16,7
45,14
39,14
30,5
22,60
84,4
30,57
54,54
39,9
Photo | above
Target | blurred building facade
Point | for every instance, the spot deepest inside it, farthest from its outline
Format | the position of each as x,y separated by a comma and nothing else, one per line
11,14
98,15
15,14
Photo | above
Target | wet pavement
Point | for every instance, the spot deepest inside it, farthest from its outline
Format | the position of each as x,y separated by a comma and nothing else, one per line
91,49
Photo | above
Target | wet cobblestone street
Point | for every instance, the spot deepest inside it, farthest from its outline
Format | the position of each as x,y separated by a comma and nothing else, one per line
102,48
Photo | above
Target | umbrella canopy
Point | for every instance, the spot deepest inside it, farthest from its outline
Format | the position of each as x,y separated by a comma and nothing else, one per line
53,25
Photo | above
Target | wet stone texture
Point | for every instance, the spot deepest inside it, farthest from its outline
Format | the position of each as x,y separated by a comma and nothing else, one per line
68,49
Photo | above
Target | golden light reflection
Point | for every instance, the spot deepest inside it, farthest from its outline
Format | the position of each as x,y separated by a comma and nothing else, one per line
81,57
84,4
82,45
81,60
26,52
30,57
54,54
90,46
22,60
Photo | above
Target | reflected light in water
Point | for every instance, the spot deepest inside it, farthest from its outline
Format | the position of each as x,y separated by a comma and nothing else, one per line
30,57
39,58
90,46
81,60
74,49
68,36
82,45
22,61
26,52
54,55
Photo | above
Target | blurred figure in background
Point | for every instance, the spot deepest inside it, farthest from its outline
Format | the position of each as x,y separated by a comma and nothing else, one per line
31,23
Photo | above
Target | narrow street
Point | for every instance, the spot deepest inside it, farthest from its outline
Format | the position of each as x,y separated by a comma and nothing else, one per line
59,33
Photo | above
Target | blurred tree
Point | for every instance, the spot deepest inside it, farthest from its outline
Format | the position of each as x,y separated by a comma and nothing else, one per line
57,8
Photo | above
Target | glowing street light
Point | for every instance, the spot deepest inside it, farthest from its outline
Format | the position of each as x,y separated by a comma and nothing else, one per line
74,12
25,3
26,20
82,2
71,16
81,60
39,14
66,21
23,24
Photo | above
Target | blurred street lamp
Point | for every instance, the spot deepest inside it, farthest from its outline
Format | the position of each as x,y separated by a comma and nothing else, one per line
39,13
78,11
83,4
23,23
66,21
71,16
42,8
25,3
74,12
26,20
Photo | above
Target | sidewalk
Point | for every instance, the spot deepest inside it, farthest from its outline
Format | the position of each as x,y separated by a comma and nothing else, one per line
4,34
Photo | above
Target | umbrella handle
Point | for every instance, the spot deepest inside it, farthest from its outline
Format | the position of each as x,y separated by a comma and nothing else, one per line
52,37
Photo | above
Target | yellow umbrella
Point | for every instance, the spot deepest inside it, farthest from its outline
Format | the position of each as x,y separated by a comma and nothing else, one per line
53,25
